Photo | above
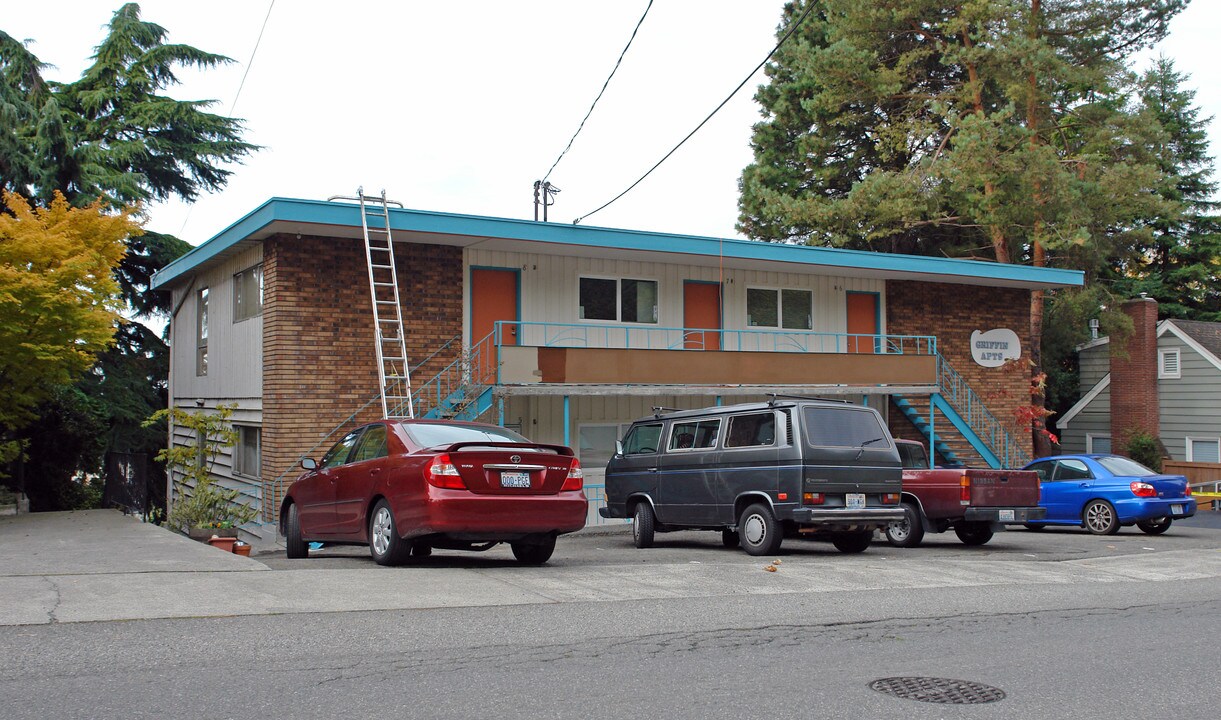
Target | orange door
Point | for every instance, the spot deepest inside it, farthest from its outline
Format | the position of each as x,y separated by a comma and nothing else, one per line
493,298
862,320
702,309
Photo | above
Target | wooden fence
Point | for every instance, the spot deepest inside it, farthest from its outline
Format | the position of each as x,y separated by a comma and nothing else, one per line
1204,478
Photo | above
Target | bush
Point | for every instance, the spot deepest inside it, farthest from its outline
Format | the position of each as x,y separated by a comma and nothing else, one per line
1146,450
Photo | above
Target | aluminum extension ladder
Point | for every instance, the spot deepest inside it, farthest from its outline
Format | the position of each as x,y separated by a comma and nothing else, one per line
392,370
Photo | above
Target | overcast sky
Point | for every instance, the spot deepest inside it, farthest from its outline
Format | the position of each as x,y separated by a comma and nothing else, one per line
460,106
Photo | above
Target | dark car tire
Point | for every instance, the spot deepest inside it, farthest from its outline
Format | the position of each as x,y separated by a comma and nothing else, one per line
534,553
1156,526
385,545
731,539
297,547
853,543
1035,527
759,530
1099,518
643,523
908,532
973,533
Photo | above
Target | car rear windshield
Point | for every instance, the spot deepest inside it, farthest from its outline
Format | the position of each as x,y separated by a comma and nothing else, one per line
1124,466
842,427
433,434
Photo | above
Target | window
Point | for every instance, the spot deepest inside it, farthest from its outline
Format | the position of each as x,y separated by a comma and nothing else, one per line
248,293
913,456
434,434
1168,364
1072,470
694,434
843,427
201,332
618,300
1097,443
789,309
247,454
1206,450
642,440
372,444
756,430
1045,469
338,455
1124,466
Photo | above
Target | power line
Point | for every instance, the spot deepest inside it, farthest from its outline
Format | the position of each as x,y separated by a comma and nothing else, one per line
595,103
787,35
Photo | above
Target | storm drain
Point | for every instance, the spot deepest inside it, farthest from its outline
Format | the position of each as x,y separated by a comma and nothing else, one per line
938,690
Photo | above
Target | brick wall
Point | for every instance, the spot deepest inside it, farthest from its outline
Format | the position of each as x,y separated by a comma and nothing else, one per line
952,313
319,358
1134,400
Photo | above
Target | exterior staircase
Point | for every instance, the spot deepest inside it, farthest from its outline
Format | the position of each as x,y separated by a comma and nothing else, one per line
463,389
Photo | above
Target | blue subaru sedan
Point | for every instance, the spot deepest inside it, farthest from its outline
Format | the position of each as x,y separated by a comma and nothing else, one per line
1103,492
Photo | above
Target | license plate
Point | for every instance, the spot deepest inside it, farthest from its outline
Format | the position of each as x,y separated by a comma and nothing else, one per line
1176,509
515,479
1006,515
855,501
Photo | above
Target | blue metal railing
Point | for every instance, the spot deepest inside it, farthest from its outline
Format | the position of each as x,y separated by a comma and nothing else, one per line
648,337
970,407
462,381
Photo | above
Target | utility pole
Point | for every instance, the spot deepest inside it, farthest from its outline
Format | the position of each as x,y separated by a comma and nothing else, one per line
546,198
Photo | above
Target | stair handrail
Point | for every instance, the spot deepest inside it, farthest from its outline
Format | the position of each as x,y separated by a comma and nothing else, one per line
959,393
468,371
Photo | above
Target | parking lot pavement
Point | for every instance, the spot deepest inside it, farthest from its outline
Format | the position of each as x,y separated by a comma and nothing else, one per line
100,565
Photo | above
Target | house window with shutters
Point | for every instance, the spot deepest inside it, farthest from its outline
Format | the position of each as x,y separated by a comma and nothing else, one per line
1168,364
1204,450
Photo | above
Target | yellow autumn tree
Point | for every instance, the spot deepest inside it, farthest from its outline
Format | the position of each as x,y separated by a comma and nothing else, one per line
58,299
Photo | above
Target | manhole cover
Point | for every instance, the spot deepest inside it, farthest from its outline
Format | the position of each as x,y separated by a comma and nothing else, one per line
938,690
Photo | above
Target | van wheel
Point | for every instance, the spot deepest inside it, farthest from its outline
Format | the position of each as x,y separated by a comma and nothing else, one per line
853,542
908,532
973,533
759,530
643,525
731,539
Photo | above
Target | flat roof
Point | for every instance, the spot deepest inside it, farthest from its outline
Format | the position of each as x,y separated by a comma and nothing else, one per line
342,220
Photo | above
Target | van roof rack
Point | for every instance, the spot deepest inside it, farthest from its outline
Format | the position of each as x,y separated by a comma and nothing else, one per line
658,410
777,396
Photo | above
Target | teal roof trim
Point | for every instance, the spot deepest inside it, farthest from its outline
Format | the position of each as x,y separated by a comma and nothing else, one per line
348,214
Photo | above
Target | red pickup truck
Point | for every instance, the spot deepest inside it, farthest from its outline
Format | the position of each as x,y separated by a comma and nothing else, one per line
972,502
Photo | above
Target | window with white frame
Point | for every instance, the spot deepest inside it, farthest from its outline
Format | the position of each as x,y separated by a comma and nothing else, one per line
1097,443
201,332
248,451
248,293
1168,364
788,309
617,300
1207,450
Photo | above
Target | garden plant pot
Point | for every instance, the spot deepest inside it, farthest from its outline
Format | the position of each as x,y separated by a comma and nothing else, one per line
223,543
241,548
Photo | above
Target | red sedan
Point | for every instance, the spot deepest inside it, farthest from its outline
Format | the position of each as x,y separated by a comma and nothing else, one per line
405,487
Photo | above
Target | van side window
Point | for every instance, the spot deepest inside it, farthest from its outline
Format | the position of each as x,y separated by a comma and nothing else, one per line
694,434
843,427
756,430
642,440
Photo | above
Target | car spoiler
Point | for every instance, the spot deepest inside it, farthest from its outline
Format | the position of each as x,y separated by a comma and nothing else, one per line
559,449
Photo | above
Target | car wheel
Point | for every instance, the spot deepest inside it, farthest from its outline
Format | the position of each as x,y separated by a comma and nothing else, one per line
908,532
1156,526
385,545
759,530
731,539
1099,518
642,525
853,542
297,547
973,533
1035,527
534,553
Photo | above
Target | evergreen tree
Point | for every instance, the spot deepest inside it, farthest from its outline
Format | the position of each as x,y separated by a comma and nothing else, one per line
114,135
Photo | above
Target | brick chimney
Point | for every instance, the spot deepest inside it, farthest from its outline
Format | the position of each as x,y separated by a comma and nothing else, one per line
1134,400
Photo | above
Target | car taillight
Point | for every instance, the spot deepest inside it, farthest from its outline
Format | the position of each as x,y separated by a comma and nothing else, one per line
576,477
441,473
890,498
1187,490
812,498
1143,489
964,483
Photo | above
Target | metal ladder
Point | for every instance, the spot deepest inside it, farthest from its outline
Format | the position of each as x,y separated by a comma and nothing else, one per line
392,370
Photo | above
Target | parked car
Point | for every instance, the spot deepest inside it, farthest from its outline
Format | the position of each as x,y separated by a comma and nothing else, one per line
973,502
1104,492
405,487
758,472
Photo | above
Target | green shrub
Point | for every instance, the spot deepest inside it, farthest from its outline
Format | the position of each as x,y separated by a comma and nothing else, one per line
1146,450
